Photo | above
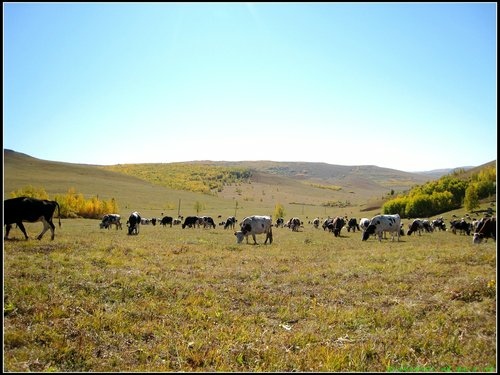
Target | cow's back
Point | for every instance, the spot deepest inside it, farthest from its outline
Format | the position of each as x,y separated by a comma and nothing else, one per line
256,224
27,209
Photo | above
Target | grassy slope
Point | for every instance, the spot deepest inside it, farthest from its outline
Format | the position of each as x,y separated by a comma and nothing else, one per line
192,300
285,185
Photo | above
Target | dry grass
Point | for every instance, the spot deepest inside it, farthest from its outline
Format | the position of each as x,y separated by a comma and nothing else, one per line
170,299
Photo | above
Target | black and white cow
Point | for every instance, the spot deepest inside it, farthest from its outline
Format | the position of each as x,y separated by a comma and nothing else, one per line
336,225
167,220
438,223
111,219
280,222
363,223
17,210
352,224
294,224
133,223
316,222
230,222
191,222
419,225
327,223
253,225
207,222
488,229
462,226
383,223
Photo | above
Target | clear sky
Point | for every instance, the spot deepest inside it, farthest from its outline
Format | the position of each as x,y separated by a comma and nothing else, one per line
409,86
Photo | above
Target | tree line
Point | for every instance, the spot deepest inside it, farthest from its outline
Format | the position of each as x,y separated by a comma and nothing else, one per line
445,194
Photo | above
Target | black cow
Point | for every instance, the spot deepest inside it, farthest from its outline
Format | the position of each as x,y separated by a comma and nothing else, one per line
17,210
487,229
337,225
352,224
230,222
167,220
191,221
462,226
133,223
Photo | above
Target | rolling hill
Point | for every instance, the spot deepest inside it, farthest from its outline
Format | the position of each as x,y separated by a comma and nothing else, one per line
310,189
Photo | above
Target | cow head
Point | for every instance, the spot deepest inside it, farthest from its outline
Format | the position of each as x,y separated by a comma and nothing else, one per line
239,236
369,231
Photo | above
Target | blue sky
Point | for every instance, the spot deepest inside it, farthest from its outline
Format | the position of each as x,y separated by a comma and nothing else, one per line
409,86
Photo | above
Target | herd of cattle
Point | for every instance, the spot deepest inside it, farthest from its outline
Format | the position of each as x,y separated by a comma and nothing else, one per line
25,209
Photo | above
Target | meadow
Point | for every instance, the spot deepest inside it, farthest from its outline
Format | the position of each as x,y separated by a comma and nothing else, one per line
173,299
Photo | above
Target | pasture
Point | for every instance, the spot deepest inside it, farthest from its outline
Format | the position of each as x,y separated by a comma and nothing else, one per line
172,299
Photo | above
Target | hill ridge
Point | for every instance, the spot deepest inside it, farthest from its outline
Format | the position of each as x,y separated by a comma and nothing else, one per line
293,184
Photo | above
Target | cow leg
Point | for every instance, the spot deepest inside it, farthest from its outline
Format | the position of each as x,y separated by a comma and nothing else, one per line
9,226
46,226
7,230
23,229
52,229
254,239
270,237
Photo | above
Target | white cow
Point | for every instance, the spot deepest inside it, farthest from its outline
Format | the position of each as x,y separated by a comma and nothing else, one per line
363,223
383,223
255,225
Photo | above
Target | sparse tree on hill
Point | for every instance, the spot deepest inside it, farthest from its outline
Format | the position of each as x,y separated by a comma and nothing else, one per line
279,210
471,200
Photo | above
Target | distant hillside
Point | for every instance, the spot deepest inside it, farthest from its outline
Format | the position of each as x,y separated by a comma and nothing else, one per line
301,187
437,173
363,180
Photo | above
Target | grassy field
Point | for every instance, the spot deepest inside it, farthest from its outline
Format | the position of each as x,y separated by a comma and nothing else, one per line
172,299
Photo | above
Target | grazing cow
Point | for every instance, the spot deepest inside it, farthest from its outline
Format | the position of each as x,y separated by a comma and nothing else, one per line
17,210
383,223
177,221
316,223
166,220
280,222
363,223
294,224
255,225
133,223
462,226
191,222
230,222
207,221
439,223
486,230
327,223
336,225
352,224
419,225
109,219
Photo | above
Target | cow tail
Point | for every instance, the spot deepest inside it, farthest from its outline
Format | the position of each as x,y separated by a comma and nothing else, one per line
58,213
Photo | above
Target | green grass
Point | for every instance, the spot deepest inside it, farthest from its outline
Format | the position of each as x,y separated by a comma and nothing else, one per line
170,299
